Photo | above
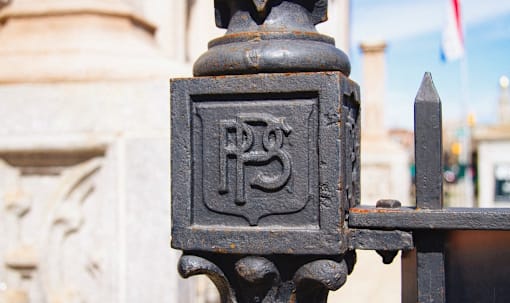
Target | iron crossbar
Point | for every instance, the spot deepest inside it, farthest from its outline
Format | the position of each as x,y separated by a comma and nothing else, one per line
430,219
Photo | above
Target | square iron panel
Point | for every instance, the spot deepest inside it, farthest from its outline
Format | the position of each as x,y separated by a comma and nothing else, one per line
257,162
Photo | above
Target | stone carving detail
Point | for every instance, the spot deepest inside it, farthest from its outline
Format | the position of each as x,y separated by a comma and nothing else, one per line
77,184
43,207
236,140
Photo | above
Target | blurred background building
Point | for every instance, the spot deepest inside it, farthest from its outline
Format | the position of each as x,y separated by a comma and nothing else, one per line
491,154
84,147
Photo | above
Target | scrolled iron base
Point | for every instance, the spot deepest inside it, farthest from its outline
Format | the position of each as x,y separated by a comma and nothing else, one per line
269,279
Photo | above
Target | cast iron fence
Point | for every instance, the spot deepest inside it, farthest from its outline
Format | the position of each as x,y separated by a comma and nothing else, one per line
265,174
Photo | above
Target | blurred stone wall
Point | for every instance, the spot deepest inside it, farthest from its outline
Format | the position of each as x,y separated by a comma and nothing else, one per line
84,155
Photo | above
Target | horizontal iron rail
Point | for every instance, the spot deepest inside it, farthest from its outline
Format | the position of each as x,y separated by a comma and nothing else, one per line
441,219
366,239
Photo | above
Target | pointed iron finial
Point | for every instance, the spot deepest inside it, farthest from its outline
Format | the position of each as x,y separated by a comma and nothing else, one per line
427,91
428,145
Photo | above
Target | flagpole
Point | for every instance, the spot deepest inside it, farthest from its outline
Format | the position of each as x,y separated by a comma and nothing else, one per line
464,74
467,135
453,49
465,108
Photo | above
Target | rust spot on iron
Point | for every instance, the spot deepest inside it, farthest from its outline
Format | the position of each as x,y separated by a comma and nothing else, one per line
372,210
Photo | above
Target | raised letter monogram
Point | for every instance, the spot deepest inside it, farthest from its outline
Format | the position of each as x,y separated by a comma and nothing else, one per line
255,161
237,138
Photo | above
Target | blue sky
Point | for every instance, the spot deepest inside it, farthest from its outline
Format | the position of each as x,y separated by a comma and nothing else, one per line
412,29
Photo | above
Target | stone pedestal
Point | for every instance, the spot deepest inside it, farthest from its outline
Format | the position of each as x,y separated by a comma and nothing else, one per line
77,41
84,165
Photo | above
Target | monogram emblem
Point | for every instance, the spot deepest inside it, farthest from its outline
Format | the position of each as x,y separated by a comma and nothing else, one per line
264,163
255,162
237,140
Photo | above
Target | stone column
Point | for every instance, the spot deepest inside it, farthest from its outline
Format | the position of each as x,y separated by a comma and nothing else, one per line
374,77
385,164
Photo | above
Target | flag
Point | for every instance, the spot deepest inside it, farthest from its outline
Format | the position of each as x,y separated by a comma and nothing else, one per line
452,44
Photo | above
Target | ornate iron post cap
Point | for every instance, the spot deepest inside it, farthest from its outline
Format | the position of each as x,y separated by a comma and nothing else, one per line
270,36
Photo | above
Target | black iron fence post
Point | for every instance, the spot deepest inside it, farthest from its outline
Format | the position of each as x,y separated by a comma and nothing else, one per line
265,156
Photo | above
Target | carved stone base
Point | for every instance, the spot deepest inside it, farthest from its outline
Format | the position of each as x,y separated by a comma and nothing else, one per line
270,279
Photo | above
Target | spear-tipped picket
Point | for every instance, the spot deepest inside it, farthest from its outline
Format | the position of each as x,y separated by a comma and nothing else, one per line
428,145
